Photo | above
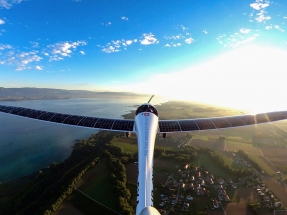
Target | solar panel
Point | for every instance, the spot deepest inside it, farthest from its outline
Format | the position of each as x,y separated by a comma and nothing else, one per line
46,116
60,118
169,126
104,123
88,122
204,124
16,111
234,121
220,122
261,118
6,109
127,125
273,116
188,125
164,125
92,122
35,114
73,120
277,115
25,112
247,119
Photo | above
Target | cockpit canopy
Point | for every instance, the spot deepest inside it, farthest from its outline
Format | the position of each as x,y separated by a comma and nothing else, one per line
146,108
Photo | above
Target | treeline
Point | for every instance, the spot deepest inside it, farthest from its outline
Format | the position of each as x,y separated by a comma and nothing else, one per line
245,157
119,178
220,162
182,156
51,185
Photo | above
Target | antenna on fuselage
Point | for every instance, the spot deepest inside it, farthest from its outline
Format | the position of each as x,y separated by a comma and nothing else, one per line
150,98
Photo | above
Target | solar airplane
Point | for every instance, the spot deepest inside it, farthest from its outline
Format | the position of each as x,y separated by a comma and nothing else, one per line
146,125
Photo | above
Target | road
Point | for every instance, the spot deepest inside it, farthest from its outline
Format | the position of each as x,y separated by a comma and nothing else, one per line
278,188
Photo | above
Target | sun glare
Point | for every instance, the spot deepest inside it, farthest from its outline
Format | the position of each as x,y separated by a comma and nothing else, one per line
250,78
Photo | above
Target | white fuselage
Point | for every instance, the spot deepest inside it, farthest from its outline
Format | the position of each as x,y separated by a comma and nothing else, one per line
146,125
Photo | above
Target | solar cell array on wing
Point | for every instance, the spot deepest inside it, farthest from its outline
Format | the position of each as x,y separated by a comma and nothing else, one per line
92,122
166,126
169,126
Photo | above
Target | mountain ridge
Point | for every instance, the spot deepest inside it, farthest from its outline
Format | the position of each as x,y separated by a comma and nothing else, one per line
30,93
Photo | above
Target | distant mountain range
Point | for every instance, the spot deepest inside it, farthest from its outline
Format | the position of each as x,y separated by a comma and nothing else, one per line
14,94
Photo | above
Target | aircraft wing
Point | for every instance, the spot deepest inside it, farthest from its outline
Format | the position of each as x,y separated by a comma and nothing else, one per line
74,120
184,125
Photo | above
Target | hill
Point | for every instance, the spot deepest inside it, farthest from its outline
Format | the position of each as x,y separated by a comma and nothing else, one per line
14,94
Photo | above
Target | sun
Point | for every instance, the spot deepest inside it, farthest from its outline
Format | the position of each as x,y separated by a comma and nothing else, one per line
251,78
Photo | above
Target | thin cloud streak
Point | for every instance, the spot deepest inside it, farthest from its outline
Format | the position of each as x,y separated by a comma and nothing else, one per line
7,4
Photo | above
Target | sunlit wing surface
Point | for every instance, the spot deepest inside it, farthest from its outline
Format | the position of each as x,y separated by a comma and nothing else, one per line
68,119
170,126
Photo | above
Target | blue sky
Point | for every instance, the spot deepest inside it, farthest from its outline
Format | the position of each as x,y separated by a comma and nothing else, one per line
231,53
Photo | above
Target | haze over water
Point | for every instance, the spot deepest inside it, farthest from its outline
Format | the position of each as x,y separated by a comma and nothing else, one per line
28,145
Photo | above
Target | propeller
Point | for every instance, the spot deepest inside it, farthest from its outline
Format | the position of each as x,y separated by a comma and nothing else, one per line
150,99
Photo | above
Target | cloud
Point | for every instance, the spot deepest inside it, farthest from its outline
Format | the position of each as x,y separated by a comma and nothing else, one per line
110,49
129,42
184,28
176,45
277,27
116,45
169,45
5,46
261,17
39,67
259,4
35,44
8,3
63,49
106,24
28,57
113,46
176,37
149,39
124,18
238,38
2,22
189,40
22,68
244,30
23,60
204,31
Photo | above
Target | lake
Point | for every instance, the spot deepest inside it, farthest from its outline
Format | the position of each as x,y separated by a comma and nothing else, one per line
27,145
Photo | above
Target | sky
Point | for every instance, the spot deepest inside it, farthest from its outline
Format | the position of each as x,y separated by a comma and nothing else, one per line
229,53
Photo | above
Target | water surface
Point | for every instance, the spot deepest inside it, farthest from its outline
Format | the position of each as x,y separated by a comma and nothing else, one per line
27,145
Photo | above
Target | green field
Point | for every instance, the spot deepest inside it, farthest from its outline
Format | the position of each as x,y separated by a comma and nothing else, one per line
127,147
203,159
230,162
133,148
282,168
96,184
247,148
86,205
262,164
